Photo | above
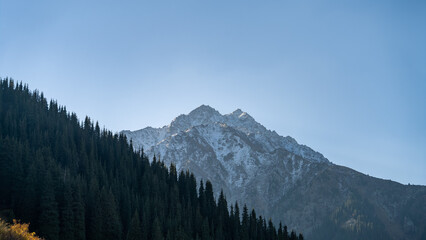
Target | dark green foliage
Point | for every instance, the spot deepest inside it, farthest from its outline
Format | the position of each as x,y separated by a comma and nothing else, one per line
111,225
157,234
135,229
245,224
79,215
49,217
72,180
67,215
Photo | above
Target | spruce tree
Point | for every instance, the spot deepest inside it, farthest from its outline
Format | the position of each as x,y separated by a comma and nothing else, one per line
280,232
93,213
237,221
79,214
157,234
205,230
245,224
49,218
285,233
67,215
111,224
293,235
135,230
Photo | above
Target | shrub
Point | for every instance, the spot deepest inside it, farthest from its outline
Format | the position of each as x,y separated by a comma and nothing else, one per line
16,231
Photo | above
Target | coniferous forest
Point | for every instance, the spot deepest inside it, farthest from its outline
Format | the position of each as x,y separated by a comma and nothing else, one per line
74,180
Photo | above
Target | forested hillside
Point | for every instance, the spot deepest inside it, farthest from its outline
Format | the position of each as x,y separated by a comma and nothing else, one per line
74,180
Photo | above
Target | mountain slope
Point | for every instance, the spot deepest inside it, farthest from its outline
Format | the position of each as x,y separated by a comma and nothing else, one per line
73,181
282,179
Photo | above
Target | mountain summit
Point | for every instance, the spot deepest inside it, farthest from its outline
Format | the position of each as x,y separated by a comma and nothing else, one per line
254,133
282,179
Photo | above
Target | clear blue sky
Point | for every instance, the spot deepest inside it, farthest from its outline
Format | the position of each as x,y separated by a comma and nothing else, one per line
347,78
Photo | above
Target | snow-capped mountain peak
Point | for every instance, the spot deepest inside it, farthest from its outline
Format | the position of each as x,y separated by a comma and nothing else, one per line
204,110
253,165
240,122
237,113
201,115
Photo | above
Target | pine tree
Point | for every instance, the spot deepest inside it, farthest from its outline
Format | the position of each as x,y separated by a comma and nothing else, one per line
280,232
205,230
253,230
67,215
245,224
285,233
293,236
135,230
237,221
79,215
202,199
157,234
111,224
27,211
211,203
272,234
93,213
49,218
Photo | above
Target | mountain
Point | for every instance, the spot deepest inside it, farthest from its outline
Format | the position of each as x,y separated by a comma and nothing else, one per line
73,181
284,180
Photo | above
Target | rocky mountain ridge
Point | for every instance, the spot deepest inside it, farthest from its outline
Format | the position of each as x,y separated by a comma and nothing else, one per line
282,179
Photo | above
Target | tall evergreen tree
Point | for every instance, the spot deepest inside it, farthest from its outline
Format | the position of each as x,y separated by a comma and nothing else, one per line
237,222
135,230
245,224
205,230
157,233
93,213
285,233
79,215
49,218
111,225
67,215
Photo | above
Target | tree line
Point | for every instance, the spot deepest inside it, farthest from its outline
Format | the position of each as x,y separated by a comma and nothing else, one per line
74,180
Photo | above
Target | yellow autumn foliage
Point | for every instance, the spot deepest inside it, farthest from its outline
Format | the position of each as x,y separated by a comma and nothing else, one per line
16,231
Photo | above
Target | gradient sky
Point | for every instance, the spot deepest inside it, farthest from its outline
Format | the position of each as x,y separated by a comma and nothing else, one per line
347,78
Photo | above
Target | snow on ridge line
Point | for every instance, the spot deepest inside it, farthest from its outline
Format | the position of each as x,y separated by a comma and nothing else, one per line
238,119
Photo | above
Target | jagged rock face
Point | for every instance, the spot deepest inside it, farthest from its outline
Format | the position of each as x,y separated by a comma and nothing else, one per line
280,178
